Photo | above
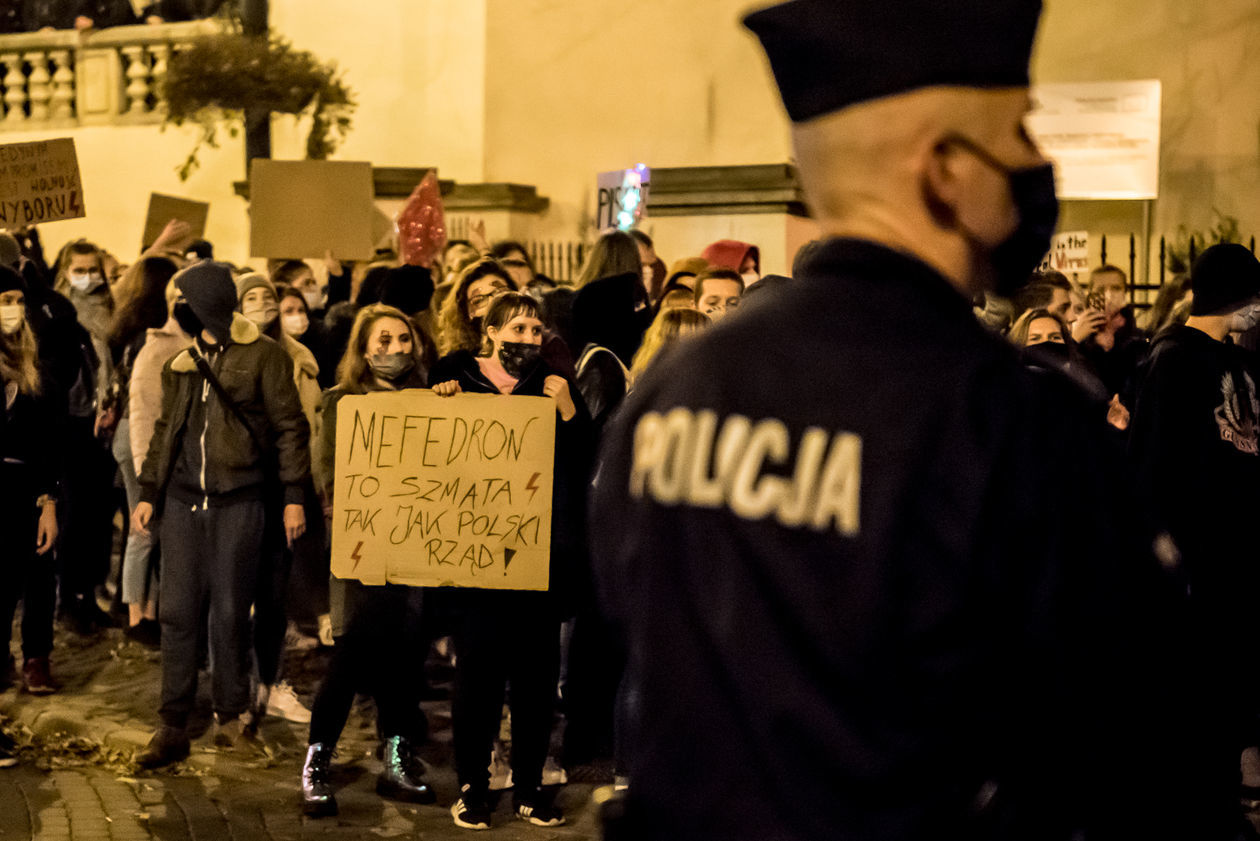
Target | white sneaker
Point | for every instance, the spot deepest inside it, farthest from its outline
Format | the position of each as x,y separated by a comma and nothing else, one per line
284,703
325,630
553,774
295,639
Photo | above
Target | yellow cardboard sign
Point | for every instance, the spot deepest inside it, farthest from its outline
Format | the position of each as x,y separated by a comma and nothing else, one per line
304,208
444,491
39,182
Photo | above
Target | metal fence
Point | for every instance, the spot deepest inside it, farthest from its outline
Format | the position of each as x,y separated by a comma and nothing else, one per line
560,260
1194,246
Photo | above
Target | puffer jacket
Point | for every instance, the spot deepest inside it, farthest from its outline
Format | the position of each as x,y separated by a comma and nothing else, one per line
258,375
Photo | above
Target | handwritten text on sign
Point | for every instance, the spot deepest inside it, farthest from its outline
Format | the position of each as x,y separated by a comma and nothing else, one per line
39,182
437,491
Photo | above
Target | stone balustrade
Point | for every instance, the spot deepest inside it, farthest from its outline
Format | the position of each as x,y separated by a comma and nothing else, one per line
66,79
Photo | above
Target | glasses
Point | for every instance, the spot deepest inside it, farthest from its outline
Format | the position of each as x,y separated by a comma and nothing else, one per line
477,300
515,264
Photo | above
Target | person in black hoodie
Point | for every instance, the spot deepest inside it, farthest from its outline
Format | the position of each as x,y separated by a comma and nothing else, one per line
609,329
1196,455
514,636
28,488
229,404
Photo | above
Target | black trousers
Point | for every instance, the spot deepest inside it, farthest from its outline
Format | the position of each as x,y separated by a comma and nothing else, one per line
209,561
381,653
591,691
86,511
501,637
24,575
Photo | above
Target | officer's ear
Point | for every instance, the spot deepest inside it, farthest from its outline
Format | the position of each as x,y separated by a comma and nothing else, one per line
942,183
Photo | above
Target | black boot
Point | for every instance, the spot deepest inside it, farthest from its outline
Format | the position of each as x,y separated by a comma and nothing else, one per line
317,794
396,780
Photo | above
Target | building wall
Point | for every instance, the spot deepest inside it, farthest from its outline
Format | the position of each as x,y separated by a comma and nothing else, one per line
1208,58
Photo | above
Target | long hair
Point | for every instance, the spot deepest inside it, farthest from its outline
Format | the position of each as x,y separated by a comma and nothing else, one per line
1019,330
19,361
78,247
141,299
454,329
614,253
667,327
505,308
353,373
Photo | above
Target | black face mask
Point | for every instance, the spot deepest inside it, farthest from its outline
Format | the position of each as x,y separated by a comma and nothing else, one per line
519,358
1037,206
1047,354
187,319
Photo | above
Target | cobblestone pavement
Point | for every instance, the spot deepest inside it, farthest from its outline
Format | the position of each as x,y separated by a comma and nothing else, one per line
77,782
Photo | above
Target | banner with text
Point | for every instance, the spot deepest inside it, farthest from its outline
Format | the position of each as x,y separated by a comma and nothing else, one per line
39,182
444,491
1102,136
1069,253
621,198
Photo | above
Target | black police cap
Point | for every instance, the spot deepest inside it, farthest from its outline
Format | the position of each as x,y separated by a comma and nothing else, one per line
828,54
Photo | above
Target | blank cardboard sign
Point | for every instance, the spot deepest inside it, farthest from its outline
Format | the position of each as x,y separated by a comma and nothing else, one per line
162,209
303,208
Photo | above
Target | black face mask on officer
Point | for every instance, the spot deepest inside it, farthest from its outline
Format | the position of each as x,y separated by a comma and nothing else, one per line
519,358
1037,208
187,319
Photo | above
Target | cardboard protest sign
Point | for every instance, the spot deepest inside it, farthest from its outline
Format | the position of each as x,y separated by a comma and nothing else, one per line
39,182
444,491
162,209
301,209
1069,253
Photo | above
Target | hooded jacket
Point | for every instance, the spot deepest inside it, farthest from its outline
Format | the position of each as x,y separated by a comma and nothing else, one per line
258,375
144,394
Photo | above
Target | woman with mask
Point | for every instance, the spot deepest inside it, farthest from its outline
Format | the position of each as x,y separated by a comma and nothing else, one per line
28,488
87,512
143,307
1047,346
501,635
371,622
258,302
298,322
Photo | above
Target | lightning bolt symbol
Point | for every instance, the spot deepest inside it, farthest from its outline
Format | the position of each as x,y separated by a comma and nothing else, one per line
354,556
532,486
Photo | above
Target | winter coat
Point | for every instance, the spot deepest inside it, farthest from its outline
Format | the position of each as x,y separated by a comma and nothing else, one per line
258,375
144,398
305,376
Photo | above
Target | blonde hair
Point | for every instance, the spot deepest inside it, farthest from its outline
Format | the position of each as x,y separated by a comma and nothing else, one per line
353,374
668,326
454,328
19,357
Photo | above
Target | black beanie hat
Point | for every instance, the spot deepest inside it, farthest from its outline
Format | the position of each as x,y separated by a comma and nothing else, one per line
210,290
1223,278
10,280
827,54
409,288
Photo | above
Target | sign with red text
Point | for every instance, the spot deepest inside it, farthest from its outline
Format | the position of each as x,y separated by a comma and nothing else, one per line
1069,253
39,182
444,491
1102,136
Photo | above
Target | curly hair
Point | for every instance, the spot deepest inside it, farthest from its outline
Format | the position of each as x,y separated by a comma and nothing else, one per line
455,329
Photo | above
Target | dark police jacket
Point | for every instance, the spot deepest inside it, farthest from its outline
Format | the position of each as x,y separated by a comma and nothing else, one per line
869,573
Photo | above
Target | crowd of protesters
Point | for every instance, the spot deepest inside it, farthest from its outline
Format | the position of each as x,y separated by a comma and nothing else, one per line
201,399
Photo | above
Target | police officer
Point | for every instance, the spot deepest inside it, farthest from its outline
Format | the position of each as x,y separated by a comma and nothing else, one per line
869,571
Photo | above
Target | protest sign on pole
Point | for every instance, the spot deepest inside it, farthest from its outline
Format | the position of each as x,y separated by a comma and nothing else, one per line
39,182
444,491
1102,136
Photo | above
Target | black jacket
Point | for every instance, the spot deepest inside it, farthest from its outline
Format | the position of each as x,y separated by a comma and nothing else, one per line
1193,440
258,374
569,561
867,567
30,429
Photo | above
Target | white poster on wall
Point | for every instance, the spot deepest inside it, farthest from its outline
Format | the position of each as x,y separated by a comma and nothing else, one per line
1069,253
1102,136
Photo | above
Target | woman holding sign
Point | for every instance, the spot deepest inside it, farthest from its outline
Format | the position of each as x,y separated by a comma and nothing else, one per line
504,636
369,622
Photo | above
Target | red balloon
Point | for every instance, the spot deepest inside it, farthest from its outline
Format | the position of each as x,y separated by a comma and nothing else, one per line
422,223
